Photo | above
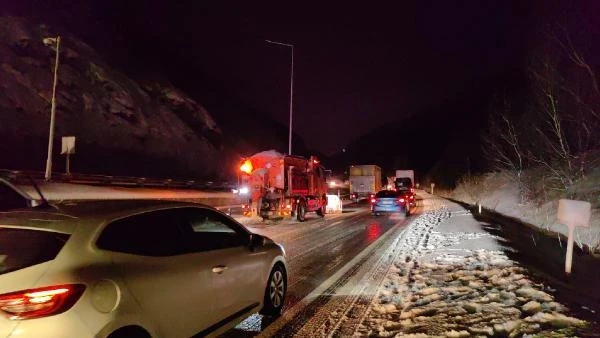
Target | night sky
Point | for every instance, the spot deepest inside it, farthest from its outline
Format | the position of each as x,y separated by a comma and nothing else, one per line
357,67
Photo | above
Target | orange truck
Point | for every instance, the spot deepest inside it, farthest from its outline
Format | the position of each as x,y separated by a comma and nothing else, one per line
281,185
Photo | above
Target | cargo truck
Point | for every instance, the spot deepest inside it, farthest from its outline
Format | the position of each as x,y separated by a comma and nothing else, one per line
406,173
405,180
364,180
284,185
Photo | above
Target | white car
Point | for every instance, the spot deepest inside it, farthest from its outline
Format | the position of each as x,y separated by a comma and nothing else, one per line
138,268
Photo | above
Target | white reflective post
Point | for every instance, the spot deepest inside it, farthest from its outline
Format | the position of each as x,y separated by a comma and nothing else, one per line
68,148
432,186
572,214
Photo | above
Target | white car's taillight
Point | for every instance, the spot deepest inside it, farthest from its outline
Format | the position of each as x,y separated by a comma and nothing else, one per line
40,302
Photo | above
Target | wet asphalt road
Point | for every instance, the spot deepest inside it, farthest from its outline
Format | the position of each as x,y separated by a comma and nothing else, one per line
317,248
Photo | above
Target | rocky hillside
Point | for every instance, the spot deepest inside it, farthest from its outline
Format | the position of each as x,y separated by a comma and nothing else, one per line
122,127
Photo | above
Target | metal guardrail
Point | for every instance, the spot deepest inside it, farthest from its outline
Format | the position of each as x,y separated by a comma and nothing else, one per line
23,176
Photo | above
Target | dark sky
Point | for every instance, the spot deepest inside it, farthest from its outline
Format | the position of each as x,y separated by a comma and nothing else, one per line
357,67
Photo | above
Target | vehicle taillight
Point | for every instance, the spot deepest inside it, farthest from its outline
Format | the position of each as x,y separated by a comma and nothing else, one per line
412,197
289,206
401,200
412,190
40,302
373,200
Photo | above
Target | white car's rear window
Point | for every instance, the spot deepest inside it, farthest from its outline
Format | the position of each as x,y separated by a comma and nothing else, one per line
22,248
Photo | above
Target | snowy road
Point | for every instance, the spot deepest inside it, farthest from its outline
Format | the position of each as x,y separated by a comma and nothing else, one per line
316,250
435,274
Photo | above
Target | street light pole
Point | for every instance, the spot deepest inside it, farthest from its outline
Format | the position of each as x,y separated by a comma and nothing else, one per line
49,41
291,90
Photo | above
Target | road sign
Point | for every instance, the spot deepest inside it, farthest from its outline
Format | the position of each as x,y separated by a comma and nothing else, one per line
573,214
68,145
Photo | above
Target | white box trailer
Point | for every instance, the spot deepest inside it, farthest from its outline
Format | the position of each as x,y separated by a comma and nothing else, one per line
406,173
365,179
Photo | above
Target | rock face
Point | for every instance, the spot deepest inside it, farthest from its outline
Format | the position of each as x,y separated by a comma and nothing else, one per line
122,127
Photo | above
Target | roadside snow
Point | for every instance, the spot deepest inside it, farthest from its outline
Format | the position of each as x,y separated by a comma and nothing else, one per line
499,192
442,285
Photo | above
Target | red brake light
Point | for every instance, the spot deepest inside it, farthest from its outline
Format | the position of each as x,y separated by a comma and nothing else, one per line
412,190
40,302
373,200
401,200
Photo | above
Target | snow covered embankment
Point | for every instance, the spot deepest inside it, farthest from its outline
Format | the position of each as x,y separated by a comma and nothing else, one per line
500,193
440,285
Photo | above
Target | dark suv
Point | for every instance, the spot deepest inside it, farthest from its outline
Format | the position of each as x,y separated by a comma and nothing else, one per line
404,186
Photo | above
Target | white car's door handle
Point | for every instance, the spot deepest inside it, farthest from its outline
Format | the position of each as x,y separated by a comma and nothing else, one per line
219,269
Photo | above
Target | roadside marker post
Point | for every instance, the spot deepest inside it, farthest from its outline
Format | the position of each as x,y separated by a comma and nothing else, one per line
573,214
68,148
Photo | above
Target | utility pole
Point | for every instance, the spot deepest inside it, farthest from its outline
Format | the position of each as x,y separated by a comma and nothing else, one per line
50,41
291,90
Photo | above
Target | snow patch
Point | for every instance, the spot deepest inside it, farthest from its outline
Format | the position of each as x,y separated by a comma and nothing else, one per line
458,292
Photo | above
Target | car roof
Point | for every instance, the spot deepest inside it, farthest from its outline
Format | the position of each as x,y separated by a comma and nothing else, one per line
117,208
66,215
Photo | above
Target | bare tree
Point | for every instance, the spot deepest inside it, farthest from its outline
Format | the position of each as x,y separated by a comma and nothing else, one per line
553,150
554,136
580,86
567,99
502,146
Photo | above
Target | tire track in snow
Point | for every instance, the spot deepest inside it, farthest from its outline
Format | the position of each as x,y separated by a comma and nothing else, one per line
358,309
